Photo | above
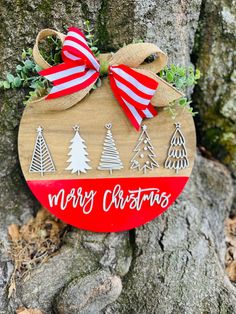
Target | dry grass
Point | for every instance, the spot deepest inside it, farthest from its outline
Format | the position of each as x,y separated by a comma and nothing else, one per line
230,257
23,310
33,244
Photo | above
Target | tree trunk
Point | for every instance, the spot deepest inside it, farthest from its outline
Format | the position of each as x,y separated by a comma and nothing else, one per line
174,264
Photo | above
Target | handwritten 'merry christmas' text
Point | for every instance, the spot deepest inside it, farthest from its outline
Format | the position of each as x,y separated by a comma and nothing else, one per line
135,198
115,198
75,198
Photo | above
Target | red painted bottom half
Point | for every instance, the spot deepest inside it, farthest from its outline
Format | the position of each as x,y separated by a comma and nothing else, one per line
108,205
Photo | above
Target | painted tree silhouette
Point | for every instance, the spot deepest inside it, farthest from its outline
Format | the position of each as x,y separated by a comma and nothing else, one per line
144,157
41,159
110,158
177,154
78,155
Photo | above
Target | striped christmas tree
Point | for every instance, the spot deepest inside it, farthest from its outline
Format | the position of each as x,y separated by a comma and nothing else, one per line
41,160
177,158
110,158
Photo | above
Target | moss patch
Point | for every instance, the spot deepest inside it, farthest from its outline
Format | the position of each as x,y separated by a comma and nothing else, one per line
213,55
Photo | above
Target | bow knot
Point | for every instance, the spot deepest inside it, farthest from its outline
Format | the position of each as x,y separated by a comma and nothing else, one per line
80,70
104,67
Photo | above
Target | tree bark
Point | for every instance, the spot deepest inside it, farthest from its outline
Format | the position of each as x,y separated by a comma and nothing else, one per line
174,264
215,96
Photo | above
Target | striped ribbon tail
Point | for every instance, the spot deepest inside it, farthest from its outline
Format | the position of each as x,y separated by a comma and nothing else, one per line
134,92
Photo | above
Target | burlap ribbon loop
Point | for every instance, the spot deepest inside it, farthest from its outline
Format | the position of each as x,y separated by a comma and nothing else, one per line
132,55
38,58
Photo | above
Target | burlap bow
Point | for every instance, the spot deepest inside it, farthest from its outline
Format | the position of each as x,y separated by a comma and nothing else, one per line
131,56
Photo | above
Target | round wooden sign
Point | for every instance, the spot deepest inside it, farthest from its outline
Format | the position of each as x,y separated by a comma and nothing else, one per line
90,167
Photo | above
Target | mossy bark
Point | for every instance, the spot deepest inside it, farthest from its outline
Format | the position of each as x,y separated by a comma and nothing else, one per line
215,94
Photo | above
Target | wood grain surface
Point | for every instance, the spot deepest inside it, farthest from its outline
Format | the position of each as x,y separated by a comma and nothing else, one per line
91,114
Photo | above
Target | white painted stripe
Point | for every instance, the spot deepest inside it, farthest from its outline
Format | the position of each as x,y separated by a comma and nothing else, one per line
133,81
134,112
65,73
131,94
70,56
148,113
78,36
73,82
84,51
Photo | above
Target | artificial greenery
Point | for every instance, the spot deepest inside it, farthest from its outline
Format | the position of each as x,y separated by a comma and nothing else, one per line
181,78
91,40
50,49
26,73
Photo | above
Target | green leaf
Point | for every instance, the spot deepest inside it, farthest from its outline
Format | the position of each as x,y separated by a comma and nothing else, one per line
180,82
197,74
97,53
18,68
37,68
1,84
6,85
89,36
29,64
10,77
32,93
25,71
172,67
161,73
24,54
183,102
169,77
23,75
190,81
181,71
17,82
30,51
57,58
39,85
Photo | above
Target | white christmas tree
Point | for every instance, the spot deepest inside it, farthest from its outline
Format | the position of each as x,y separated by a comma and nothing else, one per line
110,158
177,155
78,154
144,157
41,159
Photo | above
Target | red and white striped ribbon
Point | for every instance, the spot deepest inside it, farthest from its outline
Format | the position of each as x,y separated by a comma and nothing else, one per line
80,69
134,92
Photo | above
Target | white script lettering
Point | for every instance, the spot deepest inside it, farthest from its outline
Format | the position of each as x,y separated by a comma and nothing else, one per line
135,198
76,198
